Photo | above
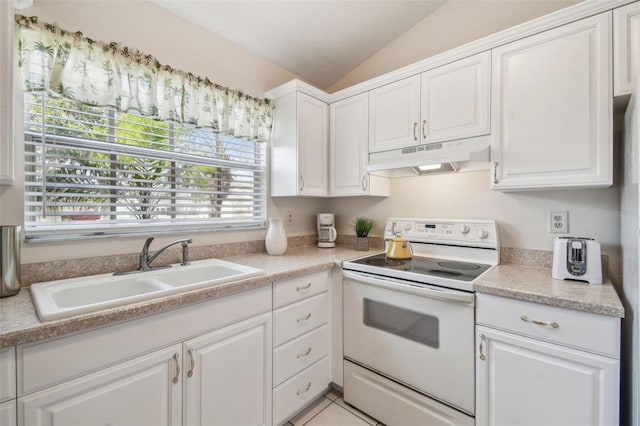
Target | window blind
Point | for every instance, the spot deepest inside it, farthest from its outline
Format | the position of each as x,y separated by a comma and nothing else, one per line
94,170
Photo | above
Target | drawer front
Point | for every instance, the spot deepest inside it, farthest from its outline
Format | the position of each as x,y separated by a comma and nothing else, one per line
7,373
44,363
300,390
296,289
581,330
296,355
295,320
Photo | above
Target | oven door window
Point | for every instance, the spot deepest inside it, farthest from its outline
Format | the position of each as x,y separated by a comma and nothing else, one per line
416,326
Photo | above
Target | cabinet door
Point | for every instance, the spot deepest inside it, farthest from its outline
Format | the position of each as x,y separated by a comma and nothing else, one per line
312,146
143,391
394,112
626,48
228,375
349,145
526,382
7,373
6,92
455,100
8,413
552,108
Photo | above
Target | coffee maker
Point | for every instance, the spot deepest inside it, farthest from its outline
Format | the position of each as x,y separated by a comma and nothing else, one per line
327,233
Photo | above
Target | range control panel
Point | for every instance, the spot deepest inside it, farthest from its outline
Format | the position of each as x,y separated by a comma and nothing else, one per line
476,233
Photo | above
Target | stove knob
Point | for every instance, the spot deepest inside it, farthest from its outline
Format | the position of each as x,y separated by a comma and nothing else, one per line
397,229
407,227
482,234
464,229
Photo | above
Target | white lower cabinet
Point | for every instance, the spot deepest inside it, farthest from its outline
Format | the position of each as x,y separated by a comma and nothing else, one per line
530,378
227,375
8,416
146,391
301,365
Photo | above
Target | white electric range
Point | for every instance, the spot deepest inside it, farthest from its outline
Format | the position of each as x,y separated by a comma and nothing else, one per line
409,324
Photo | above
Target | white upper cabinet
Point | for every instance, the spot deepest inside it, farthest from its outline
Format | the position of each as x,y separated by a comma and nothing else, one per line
626,48
552,108
445,103
6,92
394,113
299,146
349,149
455,100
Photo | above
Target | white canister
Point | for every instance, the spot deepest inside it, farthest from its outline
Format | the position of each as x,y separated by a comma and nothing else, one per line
276,239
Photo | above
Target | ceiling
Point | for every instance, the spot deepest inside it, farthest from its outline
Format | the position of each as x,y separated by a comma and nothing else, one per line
320,41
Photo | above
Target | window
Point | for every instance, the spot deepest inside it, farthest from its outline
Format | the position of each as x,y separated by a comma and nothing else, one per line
93,171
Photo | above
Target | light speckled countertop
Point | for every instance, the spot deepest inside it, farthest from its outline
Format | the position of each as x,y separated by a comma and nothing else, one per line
534,284
19,321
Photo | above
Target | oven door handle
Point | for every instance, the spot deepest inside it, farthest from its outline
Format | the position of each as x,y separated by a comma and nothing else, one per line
429,292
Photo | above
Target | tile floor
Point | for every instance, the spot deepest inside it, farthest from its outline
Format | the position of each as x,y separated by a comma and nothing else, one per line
331,410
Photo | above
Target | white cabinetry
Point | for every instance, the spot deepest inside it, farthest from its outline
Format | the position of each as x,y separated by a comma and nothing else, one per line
552,108
542,365
299,146
154,370
626,48
227,375
144,391
349,150
301,343
6,92
445,103
8,386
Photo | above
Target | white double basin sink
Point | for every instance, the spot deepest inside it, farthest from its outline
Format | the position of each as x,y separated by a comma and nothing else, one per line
64,298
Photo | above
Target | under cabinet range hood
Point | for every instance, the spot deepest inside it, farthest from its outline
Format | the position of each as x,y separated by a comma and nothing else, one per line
452,156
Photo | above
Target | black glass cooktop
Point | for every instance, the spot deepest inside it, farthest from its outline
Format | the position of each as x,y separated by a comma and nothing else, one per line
463,271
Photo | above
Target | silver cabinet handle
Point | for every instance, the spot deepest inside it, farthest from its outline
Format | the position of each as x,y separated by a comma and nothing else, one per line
482,357
303,354
415,126
304,318
424,129
192,364
176,359
546,324
495,172
304,389
303,287
364,182
301,182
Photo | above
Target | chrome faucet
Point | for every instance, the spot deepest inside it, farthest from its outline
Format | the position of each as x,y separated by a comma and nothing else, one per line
145,259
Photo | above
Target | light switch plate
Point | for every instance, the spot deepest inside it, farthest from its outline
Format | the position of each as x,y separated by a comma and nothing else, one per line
559,222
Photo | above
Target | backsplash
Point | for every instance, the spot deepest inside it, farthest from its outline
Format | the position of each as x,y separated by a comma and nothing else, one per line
71,268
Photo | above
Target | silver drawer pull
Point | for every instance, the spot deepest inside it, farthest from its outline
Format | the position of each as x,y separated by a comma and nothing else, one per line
304,318
482,357
304,389
190,372
176,358
548,324
303,354
303,287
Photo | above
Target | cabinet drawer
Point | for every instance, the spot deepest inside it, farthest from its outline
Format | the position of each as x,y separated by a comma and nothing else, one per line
290,291
295,320
300,390
294,356
582,330
7,373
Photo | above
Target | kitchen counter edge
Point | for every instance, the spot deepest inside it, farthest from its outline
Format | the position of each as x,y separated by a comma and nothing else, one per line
534,284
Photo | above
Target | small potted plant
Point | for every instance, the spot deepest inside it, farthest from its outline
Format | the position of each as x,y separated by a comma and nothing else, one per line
363,227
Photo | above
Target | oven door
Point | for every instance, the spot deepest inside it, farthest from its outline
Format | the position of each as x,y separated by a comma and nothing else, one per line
421,336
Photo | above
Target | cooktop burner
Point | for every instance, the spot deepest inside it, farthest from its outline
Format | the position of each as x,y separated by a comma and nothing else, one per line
462,271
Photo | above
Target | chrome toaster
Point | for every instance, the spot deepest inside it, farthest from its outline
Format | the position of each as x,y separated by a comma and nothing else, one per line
577,259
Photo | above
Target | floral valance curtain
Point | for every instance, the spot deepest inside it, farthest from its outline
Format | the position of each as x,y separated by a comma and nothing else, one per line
110,74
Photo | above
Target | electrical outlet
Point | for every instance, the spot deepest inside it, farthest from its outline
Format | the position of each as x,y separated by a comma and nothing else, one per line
289,217
559,222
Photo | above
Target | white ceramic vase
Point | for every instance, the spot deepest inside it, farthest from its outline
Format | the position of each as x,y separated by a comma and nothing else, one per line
276,239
